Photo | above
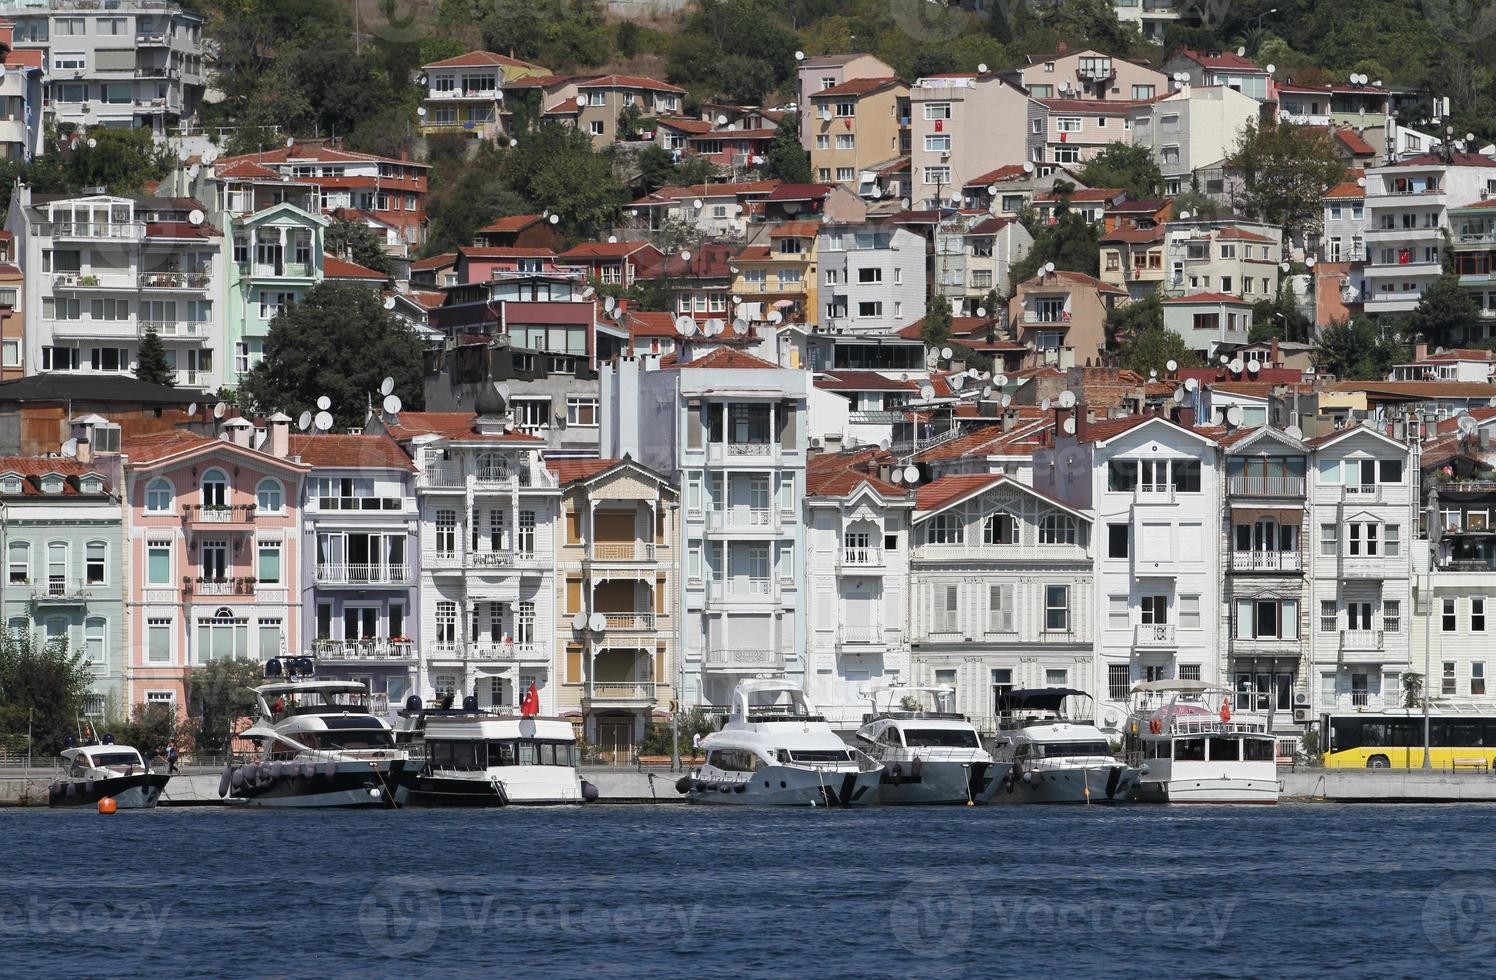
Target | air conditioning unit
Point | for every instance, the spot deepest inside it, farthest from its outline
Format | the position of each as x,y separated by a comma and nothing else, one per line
1303,715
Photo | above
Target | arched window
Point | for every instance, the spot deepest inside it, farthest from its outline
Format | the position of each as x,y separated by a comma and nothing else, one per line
95,563
158,496
19,571
1057,529
269,496
1000,528
215,489
57,568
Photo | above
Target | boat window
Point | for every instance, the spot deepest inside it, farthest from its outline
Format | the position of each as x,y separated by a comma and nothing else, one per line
458,754
1225,749
348,740
1157,750
1260,749
1189,749
822,755
529,753
953,738
105,759
1067,749
733,760
501,754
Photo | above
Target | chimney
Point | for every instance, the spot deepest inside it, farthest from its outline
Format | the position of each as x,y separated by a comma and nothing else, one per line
1275,358
1187,416
1420,351
240,431
278,439
85,451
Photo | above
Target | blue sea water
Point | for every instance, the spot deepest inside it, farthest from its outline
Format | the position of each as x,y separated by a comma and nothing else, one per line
1300,889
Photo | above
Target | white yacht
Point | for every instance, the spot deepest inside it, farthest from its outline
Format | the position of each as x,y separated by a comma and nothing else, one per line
1193,749
116,771
468,757
929,753
319,746
774,749
1055,759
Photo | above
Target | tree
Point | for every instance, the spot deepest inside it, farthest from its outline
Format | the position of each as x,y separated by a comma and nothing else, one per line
339,342
1284,170
1072,243
1153,349
1279,317
475,198
738,49
1132,168
151,365
1446,315
1127,321
1356,350
357,242
42,690
123,160
936,327
219,694
556,169
787,159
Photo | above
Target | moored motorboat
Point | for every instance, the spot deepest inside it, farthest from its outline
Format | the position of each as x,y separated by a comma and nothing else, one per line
1192,748
116,772
1057,754
929,754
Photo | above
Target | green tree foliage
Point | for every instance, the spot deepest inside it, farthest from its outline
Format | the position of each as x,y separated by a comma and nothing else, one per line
736,49
1446,315
220,696
1284,170
150,364
357,242
465,196
42,688
936,328
1357,350
1123,165
556,169
1129,320
1197,205
787,159
339,342
1279,317
1153,349
658,168
1072,243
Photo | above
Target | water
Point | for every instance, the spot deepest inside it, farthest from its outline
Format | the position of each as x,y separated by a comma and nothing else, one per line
667,891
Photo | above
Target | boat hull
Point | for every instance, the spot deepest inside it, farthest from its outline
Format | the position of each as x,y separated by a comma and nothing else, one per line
425,789
1109,784
140,791
942,782
785,786
1217,789
350,784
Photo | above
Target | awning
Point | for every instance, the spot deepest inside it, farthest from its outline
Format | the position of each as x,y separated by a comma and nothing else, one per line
1283,515
783,304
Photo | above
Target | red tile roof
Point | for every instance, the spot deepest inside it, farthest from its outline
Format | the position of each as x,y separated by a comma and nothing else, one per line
724,358
433,262
565,107
1346,188
1083,194
1437,160
512,223
1132,235
1242,235
795,229
684,124
244,169
604,250
1078,279
320,152
1220,59
933,496
1099,107
32,468
1207,298
856,86
350,452
477,59
1459,354
630,81
571,470
861,381
460,426
799,192
1355,143
336,268
1013,171
842,474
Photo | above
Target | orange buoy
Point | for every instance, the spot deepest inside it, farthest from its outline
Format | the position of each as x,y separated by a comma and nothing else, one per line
107,805
1225,711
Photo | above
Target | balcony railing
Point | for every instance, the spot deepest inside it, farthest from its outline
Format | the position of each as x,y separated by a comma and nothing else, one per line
862,556
1154,635
740,517
1266,561
175,280
1361,640
125,231
371,649
622,551
58,592
356,573
1366,494
175,328
621,691
630,621
1265,486
219,513
1046,316
751,660
748,586
865,635
739,450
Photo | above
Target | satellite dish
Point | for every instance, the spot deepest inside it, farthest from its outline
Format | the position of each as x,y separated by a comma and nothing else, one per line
1067,399
1224,359
389,302
392,404
420,110
1044,405
1028,166
981,311
513,142
1006,400
736,299
1271,68
740,325
1294,432
1467,424
70,448
387,386
504,390
932,358
1310,261
579,621
1241,52
876,192
324,421
609,302
182,152
1172,364
721,119
697,203
1001,380
192,409
926,392
612,239
290,141
799,55
1254,365
1178,395
982,68
686,328
776,317
1184,216
210,154
324,403
1069,426
911,474
304,422
897,476
1236,366
219,410
946,353
554,219
597,622
196,216
1190,384
685,256
1233,415
1049,267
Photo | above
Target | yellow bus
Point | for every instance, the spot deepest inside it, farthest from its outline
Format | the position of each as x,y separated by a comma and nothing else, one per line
1394,740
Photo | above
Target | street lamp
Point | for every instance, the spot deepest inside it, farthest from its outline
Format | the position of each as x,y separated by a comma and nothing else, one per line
1265,14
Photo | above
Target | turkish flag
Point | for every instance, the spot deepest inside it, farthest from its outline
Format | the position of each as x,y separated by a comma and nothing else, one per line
939,125
1064,137
530,706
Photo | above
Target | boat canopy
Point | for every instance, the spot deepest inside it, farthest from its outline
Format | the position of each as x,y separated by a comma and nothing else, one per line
1176,687
1040,699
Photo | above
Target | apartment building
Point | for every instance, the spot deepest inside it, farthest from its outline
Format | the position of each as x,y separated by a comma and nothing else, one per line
1365,108
710,210
992,246
820,72
1132,258
857,554
1457,500
1343,238
12,312
1192,129
1068,132
132,63
1363,512
1086,74
596,103
856,126
1407,210
780,277
465,94
1061,317
1473,236
616,618
214,538
1211,323
21,100
1239,258
102,270
1154,17
1223,68
64,572
730,430
361,557
872,277
276,258
613,263
962,125
487,573
1001,591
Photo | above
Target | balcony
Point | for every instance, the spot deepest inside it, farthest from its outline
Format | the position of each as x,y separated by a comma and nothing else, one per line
1361,641
1369,567
750,588
740,519
59,593
129,231
619,693
175,328
371,650
213,587
499,559
1267,561
720,452
868,560
743,660
195,281
277,270
360,574
621,551
629,622
219,517
1368,494
1154,493
81,281
1154,636
866,638
1048,318
1265,486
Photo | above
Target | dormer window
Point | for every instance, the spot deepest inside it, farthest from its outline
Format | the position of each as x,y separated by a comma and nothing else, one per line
52,484
91,484
10,484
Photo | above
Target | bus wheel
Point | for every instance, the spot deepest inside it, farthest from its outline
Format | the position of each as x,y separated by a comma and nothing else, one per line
1378,762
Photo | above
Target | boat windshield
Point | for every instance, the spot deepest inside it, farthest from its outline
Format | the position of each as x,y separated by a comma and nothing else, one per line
816,755
949,738
1054,750
365,738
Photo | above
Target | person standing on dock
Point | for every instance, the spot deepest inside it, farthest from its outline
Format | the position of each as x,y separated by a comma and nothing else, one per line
171,758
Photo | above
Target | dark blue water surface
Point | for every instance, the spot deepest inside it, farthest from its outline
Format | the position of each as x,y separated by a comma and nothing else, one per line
693,891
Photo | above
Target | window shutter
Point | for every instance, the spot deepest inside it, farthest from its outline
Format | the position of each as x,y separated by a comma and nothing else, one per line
574,663
662,596
574,526
573,594
1007,613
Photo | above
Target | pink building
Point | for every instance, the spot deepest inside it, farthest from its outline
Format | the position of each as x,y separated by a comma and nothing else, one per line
214,545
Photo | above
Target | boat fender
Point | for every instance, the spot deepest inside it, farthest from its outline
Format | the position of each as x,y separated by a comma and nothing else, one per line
55,789
589,792
1007,785
740,788
251,773
273,770
88,784
72,789
724,789
682,785
330,768
225,780
236,777
1225,711
1111,782
1028,777
914,769
897,774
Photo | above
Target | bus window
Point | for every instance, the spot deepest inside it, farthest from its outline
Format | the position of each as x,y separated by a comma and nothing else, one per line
1225,749
1189,749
